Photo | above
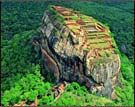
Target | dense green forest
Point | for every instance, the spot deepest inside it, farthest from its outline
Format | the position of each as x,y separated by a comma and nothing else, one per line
21,78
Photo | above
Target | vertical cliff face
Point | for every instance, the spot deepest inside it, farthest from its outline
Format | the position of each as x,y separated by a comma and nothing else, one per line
78,48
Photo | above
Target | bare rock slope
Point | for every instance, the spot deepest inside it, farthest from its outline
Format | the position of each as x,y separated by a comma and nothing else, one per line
76,47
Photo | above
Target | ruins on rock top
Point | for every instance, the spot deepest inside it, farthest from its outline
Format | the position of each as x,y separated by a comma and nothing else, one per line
76,47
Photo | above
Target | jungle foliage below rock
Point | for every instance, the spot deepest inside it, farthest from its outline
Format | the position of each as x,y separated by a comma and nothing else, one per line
20,75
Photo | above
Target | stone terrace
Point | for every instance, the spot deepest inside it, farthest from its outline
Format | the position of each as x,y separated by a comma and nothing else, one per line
93,37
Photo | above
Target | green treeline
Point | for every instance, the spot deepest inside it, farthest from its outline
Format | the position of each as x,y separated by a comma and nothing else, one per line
20,66
18,17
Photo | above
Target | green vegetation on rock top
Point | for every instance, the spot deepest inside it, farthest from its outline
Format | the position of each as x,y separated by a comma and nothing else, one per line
20,71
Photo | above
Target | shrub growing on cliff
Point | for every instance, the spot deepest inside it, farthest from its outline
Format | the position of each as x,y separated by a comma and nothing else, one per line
56,15
16,18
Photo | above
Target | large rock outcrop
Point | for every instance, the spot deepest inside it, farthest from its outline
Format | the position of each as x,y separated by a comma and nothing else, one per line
78,48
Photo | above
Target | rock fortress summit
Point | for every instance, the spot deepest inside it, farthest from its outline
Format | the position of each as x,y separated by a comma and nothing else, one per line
76,47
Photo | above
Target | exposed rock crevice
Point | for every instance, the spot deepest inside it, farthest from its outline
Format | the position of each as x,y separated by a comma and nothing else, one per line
84,55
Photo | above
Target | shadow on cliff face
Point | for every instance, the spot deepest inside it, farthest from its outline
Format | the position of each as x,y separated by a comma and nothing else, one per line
46,68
